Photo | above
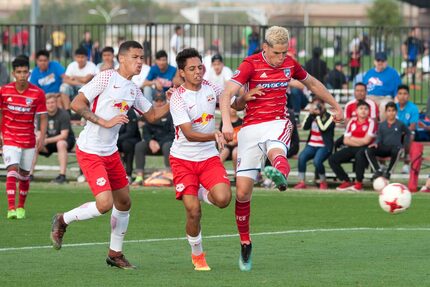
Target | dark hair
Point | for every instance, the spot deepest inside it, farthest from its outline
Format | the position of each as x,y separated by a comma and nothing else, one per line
127,45
108,49
185,54
316,52
360,84
403,87
42,53
160,54
177,28
216,57
363,103
81,51
391,105
21,61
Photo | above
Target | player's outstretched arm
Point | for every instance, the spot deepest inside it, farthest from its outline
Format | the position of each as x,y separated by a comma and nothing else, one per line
194,136
154,114
230,90
82,107
320,90
240,102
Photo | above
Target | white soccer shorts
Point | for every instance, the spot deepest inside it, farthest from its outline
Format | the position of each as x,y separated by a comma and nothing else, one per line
23,157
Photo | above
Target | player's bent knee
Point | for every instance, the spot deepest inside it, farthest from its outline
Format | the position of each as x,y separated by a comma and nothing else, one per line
104,205
194,214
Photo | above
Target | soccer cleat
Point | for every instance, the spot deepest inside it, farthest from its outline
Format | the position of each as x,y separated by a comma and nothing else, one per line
425,189
199,262
300,185
358,186
245,260
323,185
11,214
60,179
277,177
20,213
346,185
119,261
57,231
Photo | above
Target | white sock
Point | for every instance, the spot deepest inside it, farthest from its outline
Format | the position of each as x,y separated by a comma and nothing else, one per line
119,223
85,211
196,244
203,195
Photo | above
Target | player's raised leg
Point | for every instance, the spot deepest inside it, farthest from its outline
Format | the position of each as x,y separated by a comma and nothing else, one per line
280,168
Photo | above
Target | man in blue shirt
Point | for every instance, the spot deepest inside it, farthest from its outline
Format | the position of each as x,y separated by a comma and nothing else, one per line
407,113
48,75
412,49
160,77
382,82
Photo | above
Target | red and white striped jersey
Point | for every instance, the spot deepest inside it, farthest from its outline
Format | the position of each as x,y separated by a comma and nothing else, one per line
18,114
316,139
358,129
351,106
255,71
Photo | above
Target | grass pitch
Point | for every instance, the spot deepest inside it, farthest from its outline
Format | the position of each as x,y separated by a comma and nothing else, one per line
305,238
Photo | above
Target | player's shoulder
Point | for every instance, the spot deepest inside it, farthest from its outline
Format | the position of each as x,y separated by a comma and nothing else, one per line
35,89
350,103
178,93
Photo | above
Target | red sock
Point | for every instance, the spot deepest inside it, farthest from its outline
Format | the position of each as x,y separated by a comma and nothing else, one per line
281,163
243,211
24,186
11,189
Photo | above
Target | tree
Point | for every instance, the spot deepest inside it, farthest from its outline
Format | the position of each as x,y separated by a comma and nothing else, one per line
385,13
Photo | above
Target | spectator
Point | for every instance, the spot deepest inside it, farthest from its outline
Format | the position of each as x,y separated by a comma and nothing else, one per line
139,80
58,40
389,142
176,45
336,78
87,44
96,54
407,113
426,187
360,132
382,82
207,59
129,136
423,130
253,41
218,73
5,39
59,137
157,140
230,149
20,41
315,66
319,144
4,74
337,45
360,93
412,49
354,63
48,75
160,76
78,73
108,60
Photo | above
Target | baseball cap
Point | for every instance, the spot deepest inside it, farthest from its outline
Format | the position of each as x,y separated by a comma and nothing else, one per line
216,57
381,56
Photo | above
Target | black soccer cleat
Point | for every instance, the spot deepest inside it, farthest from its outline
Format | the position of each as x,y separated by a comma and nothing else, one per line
245,260
119,261
57,231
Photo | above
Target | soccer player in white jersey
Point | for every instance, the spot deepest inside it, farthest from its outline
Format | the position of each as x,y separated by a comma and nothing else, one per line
266,130
198,173
104,103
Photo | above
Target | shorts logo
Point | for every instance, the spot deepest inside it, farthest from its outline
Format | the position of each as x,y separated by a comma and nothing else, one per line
238,162
101,181
236,73
287,72
180,187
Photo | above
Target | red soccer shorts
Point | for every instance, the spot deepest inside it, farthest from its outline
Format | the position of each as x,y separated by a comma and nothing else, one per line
102,172
188,175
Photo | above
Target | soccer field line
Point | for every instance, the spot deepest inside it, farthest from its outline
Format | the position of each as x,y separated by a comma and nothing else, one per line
150,240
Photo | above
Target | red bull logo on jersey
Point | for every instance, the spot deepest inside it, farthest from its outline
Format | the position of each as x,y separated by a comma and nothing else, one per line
122,106
204,119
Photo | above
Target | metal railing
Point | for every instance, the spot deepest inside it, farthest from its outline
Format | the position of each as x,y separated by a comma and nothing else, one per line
232,41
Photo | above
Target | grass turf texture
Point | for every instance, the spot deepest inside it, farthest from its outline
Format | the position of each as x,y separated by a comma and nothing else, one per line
328,257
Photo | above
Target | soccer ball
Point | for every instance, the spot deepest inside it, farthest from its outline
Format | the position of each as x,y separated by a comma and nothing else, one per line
379,183
395,198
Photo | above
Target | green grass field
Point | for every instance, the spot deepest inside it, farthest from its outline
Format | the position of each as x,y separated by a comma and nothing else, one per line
300,239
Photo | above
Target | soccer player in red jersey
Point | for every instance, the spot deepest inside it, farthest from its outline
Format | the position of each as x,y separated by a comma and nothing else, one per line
20,102
104,103
266,130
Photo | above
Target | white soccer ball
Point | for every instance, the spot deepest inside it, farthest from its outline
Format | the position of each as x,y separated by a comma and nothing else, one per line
379,183
395,198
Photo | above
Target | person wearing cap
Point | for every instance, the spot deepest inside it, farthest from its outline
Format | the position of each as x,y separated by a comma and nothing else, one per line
382,82
336,78
218,74
157,140
78,73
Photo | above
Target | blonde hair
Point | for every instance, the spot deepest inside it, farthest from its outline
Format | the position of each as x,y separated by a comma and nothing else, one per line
51,96
277,35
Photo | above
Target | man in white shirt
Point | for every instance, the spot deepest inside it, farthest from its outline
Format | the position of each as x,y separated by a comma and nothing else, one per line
218,73
104,103
176,45
78,73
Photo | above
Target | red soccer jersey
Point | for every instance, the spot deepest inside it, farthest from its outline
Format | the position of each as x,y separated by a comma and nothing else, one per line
18,113
256,71
351,106
360,130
